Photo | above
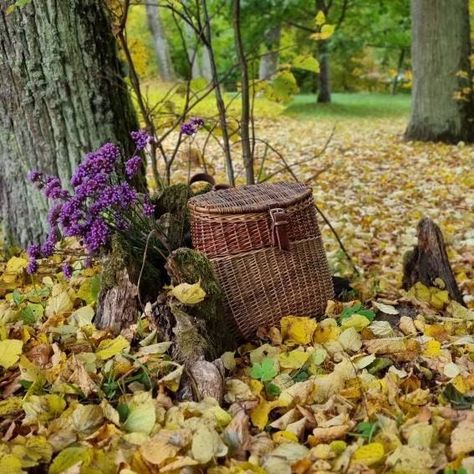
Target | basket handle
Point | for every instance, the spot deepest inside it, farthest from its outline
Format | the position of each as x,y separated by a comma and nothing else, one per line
279,228
207,178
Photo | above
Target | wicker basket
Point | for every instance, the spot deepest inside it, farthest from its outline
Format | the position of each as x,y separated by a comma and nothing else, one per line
266,249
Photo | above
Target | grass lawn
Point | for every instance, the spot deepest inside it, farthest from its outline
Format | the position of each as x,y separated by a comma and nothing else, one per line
350,106
343,106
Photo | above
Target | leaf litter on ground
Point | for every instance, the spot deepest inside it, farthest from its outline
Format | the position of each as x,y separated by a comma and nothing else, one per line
384,384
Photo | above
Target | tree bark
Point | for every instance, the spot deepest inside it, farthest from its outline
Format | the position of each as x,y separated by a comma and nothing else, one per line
165,65
324,93
324,84
268,65
206,67
429,261
440,51
61,95
192,51
401,59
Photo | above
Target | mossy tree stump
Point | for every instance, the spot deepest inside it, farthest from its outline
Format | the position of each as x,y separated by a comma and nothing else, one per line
190,266
428,261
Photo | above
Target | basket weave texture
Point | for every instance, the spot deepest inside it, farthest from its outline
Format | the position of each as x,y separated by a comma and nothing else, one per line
261,281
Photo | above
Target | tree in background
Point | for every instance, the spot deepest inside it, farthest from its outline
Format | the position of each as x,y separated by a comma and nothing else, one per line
61,95
268,64
329,17
160,42
377,32
442,106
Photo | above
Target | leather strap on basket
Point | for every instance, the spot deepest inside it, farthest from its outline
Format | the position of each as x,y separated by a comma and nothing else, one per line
207,178
280,228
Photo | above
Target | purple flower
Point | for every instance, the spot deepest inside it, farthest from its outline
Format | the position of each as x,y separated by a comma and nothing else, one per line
67,271
100,203
96,236
47,249
121,223
197,122
72,216
192,126
188,129
34,176
141,139
121,195
34,251
101,161
132,166
148,208
90,186
54,213
32,266
53,189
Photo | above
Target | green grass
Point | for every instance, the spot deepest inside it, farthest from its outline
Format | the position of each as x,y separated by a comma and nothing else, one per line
350,106
344,105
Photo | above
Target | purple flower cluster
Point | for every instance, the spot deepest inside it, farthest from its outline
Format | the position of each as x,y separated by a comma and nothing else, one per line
102,201
32,266
141,139
132,166
192,126
67,271
148,208
35,176
99,162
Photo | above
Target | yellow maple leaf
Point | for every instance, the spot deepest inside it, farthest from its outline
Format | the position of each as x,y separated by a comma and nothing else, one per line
259,414
297,330
15,267
10,351
432,349
111,347
369,454
188,294
293,360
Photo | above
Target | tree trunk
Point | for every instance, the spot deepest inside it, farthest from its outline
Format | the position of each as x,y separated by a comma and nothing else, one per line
247,156
429,261
440,52
324,85
192,51
268,65
401,59
324,93
165,65
206,67
61,95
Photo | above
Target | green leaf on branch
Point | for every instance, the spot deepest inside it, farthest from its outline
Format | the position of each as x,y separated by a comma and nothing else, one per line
307,63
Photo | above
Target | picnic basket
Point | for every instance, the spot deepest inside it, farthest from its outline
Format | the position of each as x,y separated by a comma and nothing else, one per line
265,246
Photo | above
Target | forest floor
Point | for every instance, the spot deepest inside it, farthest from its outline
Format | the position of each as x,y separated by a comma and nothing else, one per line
381,384
373,186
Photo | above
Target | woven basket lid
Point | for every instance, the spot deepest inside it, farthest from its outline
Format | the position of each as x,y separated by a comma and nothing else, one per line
251,198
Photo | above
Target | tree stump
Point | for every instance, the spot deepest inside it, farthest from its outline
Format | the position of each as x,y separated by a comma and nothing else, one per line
190,266
118,303
429,261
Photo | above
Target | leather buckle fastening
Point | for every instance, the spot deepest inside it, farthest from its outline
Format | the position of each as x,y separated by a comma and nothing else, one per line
279,228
